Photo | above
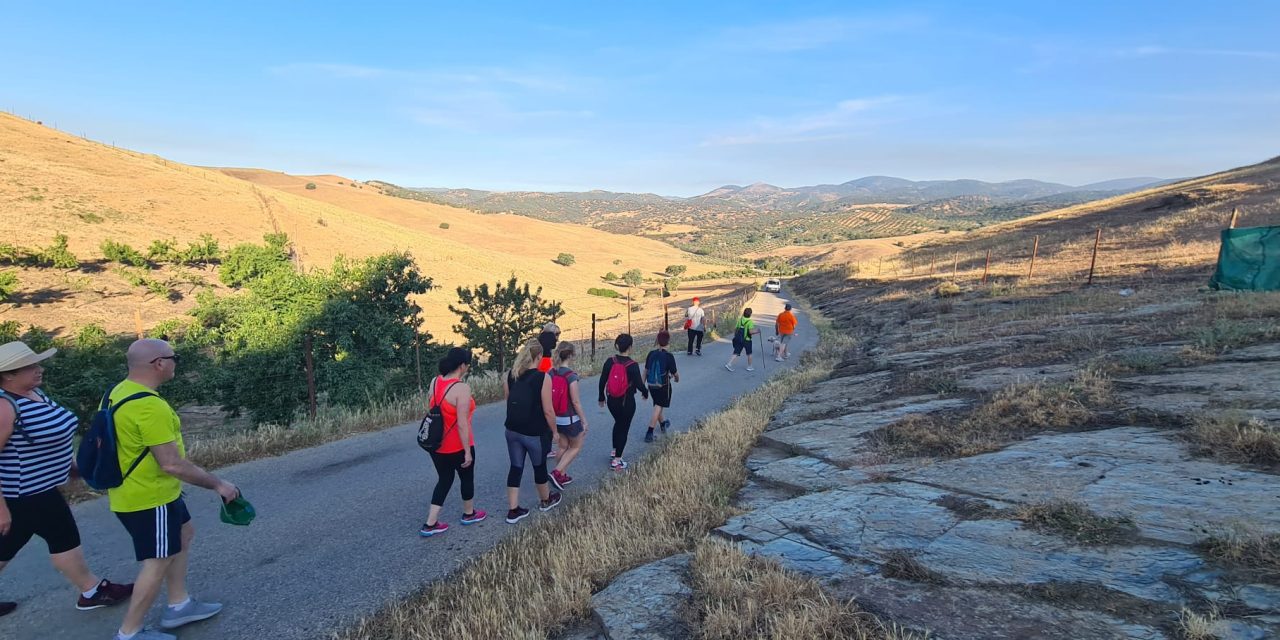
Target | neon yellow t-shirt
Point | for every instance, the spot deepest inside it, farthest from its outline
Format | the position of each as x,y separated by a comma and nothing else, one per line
140,424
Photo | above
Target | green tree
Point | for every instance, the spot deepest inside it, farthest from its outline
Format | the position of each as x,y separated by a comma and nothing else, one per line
122,253
498,321
8,285
246,262
633,278
670,286
205,250
565,259
163,251
676,269
57,255
609,276
311,186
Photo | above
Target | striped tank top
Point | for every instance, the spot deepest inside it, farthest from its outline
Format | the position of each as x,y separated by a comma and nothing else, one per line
38,456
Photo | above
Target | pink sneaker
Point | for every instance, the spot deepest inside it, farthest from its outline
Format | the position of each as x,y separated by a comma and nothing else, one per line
472,518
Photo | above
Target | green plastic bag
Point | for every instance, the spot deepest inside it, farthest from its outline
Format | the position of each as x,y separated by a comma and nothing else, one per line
238,512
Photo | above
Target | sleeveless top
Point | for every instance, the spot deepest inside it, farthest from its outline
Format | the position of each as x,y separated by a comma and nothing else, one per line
452,442
37,457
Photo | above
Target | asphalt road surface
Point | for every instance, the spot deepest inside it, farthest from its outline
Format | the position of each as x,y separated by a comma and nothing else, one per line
336,535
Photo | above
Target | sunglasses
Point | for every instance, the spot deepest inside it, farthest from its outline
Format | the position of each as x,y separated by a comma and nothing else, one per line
173,357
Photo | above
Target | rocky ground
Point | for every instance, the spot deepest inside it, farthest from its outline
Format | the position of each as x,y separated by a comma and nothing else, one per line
1020,464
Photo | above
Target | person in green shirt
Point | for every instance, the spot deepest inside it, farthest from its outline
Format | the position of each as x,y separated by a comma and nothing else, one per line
742,333
149,502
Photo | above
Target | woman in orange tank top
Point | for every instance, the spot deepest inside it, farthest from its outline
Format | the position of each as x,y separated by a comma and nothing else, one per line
452,458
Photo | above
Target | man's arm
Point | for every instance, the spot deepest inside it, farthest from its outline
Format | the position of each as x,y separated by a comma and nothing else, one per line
172,463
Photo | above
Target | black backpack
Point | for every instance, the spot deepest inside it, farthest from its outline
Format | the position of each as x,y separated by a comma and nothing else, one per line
431,429
524,401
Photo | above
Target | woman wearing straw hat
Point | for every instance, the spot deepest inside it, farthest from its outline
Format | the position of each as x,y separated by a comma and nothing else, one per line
36,457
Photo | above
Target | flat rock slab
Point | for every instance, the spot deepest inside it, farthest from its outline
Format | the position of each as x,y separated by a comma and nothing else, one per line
645,603
1133,471
1257,353
806,474
831,397
1248,382
841,440
940,354
867,523
964,613
1001,377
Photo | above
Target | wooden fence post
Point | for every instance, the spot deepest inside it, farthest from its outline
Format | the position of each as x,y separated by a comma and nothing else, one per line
987,267
1235,216
417,357
1094,262
137,321
1035,248
933,261
628,310
593,337
311,377
955,265
666,318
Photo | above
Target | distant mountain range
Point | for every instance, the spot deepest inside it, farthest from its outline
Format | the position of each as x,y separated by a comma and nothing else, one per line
735,218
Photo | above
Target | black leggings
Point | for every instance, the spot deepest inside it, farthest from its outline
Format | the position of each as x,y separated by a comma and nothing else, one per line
43,514
623,410
536,448
695,341
447,464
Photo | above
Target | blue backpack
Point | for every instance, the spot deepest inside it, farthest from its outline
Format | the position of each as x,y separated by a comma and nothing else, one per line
99,464
657,372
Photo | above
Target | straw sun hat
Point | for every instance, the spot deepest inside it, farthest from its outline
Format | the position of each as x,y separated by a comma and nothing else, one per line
16,355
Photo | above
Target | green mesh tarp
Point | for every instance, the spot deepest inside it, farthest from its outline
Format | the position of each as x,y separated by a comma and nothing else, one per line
1249,260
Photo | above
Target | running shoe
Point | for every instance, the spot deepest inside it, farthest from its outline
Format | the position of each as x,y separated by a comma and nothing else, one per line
648,435
516,515
7,608
109,593
558,479
150,634
192,611
618,464
777,359
474,517
728,368
664,425
751,368
429,530
697,353
550,503
553,452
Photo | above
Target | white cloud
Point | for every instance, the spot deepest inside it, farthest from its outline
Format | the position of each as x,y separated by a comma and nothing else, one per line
812,33
836,122
1147,51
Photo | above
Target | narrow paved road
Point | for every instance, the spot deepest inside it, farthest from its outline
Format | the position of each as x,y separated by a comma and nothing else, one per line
336,535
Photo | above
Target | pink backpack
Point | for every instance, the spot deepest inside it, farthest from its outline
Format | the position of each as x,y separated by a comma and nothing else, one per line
617,385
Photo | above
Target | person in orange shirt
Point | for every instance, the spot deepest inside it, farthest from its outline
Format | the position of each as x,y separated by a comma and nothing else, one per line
785,327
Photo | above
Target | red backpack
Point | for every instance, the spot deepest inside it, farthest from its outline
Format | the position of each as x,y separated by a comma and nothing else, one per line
560,393
617,385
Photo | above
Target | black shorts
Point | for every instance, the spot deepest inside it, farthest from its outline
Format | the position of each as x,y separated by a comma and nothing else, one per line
156,533
43,514
661,396
741,345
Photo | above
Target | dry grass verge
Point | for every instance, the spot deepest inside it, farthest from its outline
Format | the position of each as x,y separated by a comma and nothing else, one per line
1253,553
1012,413
667,502
1234,437
740,596
1076,522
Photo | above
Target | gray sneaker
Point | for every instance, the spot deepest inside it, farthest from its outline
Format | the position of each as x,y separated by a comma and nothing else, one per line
194,611
151,634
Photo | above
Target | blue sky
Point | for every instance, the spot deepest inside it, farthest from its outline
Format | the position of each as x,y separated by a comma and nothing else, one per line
673,98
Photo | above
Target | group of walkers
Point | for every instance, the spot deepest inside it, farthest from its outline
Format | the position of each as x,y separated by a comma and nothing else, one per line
36,435
544,413
544,421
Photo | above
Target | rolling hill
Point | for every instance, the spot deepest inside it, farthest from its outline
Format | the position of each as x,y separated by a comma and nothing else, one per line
52,182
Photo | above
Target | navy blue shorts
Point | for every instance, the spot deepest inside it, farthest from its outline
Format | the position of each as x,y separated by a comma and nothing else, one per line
156,533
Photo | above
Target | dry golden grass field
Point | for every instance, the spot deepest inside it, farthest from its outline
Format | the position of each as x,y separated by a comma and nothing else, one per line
53,182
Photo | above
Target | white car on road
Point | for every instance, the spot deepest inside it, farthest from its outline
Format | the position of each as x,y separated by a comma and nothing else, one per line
772,285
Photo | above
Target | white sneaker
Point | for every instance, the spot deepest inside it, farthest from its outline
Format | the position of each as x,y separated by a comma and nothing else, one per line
751,368
729,368
777,359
